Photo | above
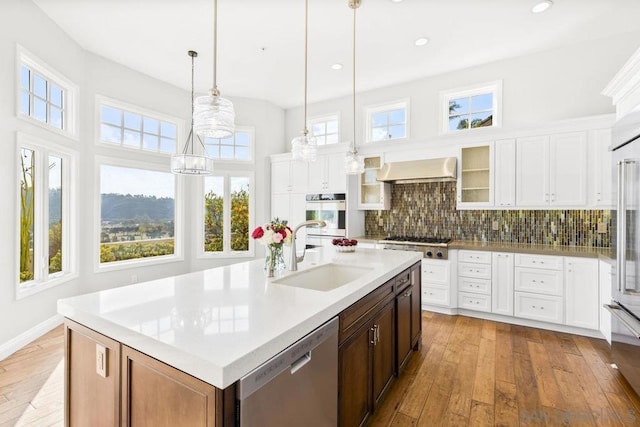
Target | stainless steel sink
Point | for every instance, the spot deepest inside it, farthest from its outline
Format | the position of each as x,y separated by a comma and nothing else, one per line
324,277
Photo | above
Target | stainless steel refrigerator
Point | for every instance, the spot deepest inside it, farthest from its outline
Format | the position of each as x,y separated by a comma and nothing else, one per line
625,304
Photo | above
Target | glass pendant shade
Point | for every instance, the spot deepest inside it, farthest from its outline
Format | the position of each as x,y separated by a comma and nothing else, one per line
213,117
191,164
304,148
353,163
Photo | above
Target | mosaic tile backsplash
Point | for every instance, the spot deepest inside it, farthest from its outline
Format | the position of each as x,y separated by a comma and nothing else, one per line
429,209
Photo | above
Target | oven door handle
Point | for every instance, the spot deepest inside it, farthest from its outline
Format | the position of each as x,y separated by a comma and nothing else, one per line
623,317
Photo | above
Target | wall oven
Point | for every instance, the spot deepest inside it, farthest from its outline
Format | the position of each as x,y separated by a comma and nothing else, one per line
625,305
330,208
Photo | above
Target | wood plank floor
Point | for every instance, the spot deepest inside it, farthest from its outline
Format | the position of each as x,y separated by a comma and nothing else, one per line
469,372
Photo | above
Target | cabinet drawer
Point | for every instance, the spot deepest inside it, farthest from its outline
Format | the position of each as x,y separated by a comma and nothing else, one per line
539,307
360,312
539,281
402,280
538,261
434,273
476,286
480,257
479,271
436,296
474,301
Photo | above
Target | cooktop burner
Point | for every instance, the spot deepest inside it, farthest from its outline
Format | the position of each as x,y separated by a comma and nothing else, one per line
413,239
431,247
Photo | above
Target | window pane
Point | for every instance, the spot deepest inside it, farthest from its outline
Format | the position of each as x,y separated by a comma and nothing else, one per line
458,122
40,86
55,119
27,211
242,153
458,106
243,139
24,103
150,142
398,131
136,213
111,116
318,128
379,119
168,130
167,145
479,120
55,214
482,102
213,214
321,140
56,96
332,139
213,151
131,138
379,134
40,109
397,116
24,77
226,152
132,121
332,126
151,126
239,187
110,134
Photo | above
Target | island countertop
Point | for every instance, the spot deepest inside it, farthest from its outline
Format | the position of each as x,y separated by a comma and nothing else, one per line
220,324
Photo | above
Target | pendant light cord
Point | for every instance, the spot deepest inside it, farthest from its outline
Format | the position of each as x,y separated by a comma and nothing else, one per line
306,43
192,96
214,90
354,150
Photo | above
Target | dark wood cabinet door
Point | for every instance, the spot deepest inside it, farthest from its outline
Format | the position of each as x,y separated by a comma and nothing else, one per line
384,361
403,326
416,306
355,378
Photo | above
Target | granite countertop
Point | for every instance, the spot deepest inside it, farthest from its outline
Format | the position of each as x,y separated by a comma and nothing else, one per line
220,324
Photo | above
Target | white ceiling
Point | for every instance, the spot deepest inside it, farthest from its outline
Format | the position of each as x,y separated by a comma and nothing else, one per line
261,41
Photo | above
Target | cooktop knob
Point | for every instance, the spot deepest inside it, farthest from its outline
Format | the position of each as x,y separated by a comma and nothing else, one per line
439,254
429,254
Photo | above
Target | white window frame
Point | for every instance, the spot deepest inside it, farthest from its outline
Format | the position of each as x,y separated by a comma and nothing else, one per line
43,149
252,132
130,108
370,110
494,87
70,101
323,119
226,253
178,252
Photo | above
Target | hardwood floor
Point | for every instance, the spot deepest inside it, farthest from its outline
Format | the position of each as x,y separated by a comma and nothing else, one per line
469,372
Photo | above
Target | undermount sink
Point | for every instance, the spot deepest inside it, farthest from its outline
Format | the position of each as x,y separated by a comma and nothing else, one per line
324,277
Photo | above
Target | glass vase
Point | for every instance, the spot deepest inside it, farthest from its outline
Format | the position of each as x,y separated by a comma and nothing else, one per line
274,260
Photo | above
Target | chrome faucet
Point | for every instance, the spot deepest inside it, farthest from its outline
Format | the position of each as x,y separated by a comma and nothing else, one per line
295,259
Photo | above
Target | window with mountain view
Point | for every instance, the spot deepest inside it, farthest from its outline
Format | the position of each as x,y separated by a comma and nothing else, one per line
137,214
471,108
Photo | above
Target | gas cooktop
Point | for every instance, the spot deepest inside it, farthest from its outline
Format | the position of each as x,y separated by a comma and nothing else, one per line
431,241
431,247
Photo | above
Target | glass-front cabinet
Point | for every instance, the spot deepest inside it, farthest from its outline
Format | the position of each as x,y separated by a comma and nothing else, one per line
373,194
475,176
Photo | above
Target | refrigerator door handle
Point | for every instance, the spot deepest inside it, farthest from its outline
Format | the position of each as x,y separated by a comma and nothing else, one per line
621,247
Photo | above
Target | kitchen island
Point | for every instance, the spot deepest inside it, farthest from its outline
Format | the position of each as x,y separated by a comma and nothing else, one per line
213,326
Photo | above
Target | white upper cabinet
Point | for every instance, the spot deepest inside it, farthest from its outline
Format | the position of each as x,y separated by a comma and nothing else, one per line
288,176
600,164
327,174
373,194
504,187
475,176
552,171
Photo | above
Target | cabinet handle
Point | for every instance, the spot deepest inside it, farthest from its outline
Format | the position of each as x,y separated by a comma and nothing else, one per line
377,334
406,294
373,332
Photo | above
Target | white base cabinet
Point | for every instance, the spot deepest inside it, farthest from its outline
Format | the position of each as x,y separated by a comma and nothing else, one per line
546,308
436,283
581,292
502,283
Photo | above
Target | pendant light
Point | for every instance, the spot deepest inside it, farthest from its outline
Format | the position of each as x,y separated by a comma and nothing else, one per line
305,146
214,116
353,162
189,162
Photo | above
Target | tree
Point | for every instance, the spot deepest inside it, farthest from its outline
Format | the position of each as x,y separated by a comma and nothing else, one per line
240,220
26,216
213,222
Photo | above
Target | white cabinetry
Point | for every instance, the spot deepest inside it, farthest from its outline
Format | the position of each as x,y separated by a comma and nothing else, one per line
581,292
552,171
288,176
436,282
502,283
600,165
474,280
373,194
327,174
539,288
504,187
475,177
605,283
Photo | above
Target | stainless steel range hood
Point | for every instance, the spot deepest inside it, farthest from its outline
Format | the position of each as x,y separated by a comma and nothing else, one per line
416,171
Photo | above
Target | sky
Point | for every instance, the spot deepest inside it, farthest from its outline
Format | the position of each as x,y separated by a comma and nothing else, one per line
120,180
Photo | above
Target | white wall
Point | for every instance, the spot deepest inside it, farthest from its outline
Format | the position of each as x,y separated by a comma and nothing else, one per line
24,23
547,86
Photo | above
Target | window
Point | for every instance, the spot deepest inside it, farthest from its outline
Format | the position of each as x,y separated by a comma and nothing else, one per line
45,96
227,214
130,127
472,107
325,129
46,220
389,121
237,147
137,215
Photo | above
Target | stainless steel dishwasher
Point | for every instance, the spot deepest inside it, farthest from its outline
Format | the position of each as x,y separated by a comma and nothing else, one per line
299,386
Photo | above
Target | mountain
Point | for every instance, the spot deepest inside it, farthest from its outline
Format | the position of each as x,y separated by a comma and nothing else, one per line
117,207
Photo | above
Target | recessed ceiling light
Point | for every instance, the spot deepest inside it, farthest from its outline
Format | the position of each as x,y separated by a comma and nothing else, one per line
421,41
336,66
396,1
541,6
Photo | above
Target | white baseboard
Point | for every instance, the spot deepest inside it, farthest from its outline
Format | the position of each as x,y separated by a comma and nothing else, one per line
15,344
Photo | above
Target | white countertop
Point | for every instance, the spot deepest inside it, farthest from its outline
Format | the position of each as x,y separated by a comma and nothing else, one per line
220,324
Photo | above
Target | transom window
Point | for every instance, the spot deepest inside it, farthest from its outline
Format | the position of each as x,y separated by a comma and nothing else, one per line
387,122
470,108
325,129
135,129
238,147
44,95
